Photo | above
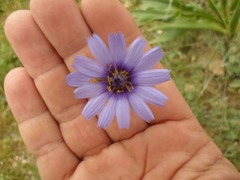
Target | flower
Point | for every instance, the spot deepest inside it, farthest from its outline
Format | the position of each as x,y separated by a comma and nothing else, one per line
118,79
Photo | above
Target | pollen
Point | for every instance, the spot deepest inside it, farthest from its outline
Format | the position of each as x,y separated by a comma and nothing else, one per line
96,80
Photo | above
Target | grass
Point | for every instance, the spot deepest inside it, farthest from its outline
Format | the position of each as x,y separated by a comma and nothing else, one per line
15,161
206,75
206,68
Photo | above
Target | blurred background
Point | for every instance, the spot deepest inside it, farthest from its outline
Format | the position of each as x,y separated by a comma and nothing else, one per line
202,44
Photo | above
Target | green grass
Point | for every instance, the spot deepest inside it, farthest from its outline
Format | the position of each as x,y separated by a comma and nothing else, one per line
15,161
206,67
198,70
207,76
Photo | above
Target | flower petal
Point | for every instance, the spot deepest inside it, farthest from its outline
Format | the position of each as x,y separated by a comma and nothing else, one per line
117,46
95,105
76,79
134,53
88,67
107,114
123,112
99,49
151,95
140,108
150,77
90,90
149,59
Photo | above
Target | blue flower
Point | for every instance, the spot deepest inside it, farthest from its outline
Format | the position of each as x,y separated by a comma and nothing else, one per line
118,78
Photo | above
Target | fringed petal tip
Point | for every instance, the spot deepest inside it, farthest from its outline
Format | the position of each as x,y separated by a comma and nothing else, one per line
141,108
85,116
118,33
149,60
151,77
151,95
99,49
89,90
95,105
76,79
88,67
134,53
69,80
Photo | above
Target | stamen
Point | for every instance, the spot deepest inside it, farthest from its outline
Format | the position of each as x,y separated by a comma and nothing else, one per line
118,81
110,67
130,87
119,91
116,70
109,88
120,77
96,80
109,80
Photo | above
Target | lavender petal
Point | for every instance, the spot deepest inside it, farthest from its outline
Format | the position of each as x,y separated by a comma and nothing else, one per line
135,53
107,114
123,112
95,105
99,50
149,59
151,77
117,46
151,95
76,79
90,90
140,108
88,67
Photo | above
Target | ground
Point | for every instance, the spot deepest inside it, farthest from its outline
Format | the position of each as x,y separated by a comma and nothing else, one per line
207,77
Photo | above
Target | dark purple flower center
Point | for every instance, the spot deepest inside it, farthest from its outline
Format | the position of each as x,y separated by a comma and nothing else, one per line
118,81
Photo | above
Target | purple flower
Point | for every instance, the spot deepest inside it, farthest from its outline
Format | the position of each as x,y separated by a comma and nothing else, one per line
120,78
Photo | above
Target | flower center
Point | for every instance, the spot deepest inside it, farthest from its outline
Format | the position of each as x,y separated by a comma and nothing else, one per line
119,81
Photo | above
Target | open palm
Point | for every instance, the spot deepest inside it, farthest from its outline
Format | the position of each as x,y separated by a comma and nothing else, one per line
66,146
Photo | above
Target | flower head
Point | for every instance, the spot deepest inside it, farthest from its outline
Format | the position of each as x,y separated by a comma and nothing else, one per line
120,78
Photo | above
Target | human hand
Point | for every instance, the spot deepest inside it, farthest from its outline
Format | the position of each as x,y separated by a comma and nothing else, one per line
66,146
